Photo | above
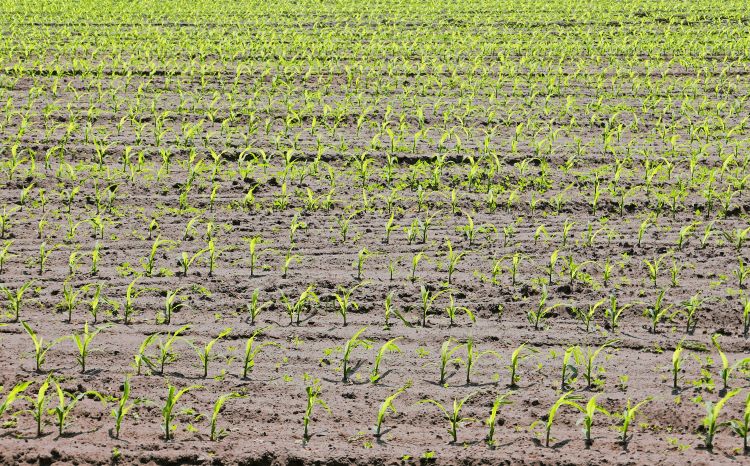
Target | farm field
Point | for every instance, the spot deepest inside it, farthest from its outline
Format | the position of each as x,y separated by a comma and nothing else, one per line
382,232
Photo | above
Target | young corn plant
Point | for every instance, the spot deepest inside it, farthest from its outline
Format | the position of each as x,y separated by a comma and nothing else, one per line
313,399
165,347
473,355
589,359
343,299
39,405
569,372
5,254
519,354
390,309
140,357
453,259
453,417
414,262
627,417
94,303
41,348
388,346
123,405
587,316
589,410
658,312
741,426
12,396
167,411
677,362
452,310
386,406
362,256
491,422
252,350
614,312
150,262
539,315
352,343
66,402
566,399
70,299
294,308
446,358
726,368
255,306
427,298
711,424
254,253
171,305
204,352
15,299
215,433
186,261
690,310
83,342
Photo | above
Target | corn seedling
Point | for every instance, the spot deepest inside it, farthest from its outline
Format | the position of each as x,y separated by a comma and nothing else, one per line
83,342
343,299
41,348
741,426
313,399
587,316
500,400
389,345
428,298
66,402
391,309
254,253
39,405
186,260
658,311
349,346
165,347
414,262
627,416
454,416
362,256
217,434
539,315
711,423
294,308
15,299
452,310
252,350
141,357
150,261
726,368
5,254
386,406
447,358
173,396
473,355
255,306
123,405
519,354
566,399
614,312
569,371
204,352
589,359
12,396
453,259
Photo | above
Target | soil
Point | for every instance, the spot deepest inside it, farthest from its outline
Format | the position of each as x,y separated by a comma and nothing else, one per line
264,426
